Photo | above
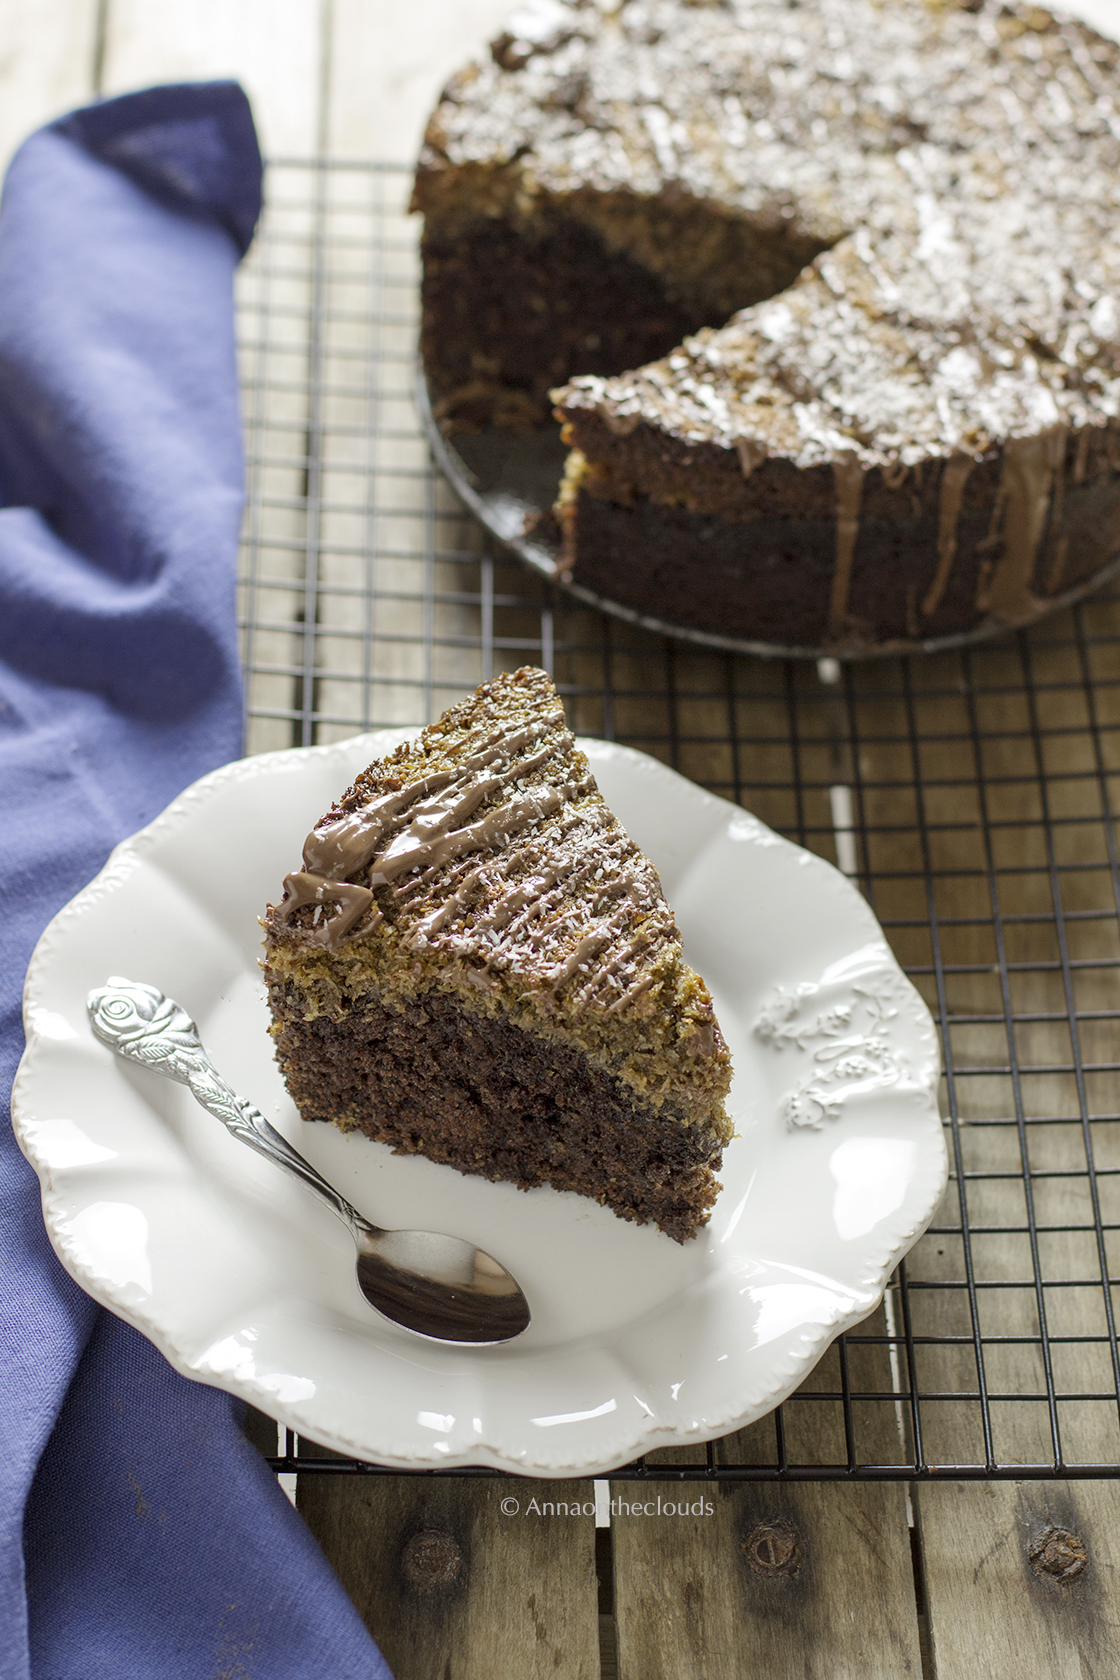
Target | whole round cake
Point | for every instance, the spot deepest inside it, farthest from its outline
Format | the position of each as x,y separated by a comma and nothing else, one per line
909,209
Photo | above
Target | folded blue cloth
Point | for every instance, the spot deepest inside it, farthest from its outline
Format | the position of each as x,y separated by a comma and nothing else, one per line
157,1543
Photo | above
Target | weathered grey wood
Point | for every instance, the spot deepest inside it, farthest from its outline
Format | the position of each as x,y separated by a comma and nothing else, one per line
451,1587
274,48
382,520
48,52
389,63
775,1580
993,1612
750,1618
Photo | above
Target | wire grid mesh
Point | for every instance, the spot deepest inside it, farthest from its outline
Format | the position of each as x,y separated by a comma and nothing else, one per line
969,794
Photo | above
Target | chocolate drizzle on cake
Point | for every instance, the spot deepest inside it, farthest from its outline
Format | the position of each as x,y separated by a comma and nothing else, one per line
308,887
1030,466
848,475
954,477
480,867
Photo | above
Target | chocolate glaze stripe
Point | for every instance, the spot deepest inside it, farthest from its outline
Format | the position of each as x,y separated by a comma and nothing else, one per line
496,828
490,874
304,887
567,880
751,453
847,473
436,818
532,903
598,940
611,851
589,946
416,832
514,916
438,919
418,885
524,904
660,925
954,477
632,996
527,898
342,848
1059,544
1026,480
1061,541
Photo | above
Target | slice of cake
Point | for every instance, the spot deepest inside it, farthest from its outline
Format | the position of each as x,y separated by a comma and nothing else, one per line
477,964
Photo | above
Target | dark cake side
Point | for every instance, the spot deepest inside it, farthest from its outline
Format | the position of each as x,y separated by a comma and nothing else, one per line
477,964
645,515
477,1093
519,294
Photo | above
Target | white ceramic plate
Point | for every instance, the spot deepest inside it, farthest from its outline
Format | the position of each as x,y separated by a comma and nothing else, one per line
244,1280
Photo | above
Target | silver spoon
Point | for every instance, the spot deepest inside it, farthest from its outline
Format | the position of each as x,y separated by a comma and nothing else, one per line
442,1287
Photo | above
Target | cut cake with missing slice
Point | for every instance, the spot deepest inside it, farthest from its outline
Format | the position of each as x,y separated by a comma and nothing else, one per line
477,964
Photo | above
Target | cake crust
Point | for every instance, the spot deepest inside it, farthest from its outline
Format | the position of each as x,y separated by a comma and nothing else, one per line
476,963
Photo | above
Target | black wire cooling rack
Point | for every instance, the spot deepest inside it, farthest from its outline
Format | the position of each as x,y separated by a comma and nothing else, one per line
969,794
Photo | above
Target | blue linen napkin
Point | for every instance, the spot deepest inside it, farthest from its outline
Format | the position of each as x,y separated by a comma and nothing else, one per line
157,1543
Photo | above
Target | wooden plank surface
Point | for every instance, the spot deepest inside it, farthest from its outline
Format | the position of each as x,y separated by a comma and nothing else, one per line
388,64
769,1579
275,48
452,1587
994,1558
48,59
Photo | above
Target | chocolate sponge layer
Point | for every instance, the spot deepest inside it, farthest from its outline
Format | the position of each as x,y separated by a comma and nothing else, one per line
508,314
489,1098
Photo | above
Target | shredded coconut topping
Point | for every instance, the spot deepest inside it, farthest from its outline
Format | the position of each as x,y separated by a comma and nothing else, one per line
956,166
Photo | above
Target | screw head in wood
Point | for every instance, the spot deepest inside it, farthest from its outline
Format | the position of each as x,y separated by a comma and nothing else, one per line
774,1548
1058,1553
432,1559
